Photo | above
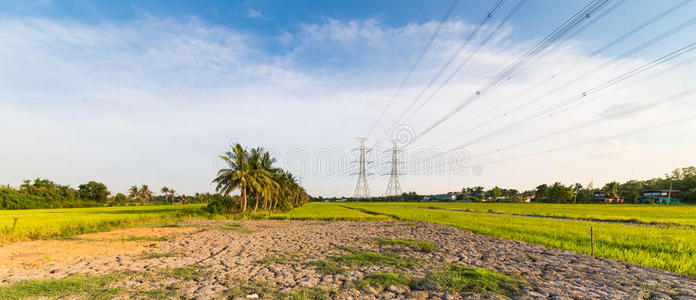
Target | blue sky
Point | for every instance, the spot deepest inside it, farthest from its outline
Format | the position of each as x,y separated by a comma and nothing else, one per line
148,92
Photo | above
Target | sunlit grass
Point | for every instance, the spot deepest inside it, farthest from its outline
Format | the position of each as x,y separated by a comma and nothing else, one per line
670,248
32,224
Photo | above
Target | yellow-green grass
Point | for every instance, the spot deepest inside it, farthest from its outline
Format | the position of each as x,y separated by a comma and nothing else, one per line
632,213
329,212
32,224
670,248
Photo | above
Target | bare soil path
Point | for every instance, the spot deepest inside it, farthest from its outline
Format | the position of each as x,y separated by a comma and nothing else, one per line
279,258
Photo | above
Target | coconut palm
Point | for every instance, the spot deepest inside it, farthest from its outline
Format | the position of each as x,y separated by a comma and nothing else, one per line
239,174
261,161
134,193
172,192
145,193
165,191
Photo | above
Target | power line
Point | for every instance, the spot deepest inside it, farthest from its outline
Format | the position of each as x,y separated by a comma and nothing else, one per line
415,64
555,75
442,69
625,54
535,116
581,16
596,140
468,58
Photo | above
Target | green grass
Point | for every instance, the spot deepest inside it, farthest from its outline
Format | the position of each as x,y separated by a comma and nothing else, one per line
281,258
671,248
238,230
359,258
33,224
465,280
628,213
94,287
420,245
330,212
383,280
144,238
315,293
153,255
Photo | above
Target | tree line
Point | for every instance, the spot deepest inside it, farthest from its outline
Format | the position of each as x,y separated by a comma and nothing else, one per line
682,180
44,193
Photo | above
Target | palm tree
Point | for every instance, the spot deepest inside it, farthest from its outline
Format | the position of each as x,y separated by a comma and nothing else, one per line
613,190
240,174
172,191
145,193
134,193
261,161
165,191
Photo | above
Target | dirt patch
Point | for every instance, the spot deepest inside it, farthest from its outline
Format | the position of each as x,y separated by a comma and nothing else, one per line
346,260
26,256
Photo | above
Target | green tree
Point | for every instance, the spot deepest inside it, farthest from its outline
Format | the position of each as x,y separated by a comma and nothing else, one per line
134,193
120,199
93,191
145,193
165,192
560,193
239,174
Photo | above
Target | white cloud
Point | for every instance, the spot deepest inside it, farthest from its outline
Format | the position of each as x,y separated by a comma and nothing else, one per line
152,100
254,14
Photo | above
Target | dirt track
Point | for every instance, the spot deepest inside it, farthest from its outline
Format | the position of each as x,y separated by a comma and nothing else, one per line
230,255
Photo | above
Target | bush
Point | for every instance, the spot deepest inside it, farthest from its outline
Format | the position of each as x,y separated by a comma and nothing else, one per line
222,205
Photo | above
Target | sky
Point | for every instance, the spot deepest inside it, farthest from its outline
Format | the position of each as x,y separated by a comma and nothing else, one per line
151,92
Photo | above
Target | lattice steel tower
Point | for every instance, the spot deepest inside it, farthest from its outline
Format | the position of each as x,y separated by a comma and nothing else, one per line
393,187
362,189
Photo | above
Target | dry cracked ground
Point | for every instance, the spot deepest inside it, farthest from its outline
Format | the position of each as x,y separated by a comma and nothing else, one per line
322,260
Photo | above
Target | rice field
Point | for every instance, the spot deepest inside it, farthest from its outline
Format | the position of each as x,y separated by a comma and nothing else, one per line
644,214
32,224
670,248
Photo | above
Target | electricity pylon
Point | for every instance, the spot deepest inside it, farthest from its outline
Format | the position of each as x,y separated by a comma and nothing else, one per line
362,189
393,187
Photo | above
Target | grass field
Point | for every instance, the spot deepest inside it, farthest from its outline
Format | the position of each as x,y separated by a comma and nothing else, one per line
671,248
656,236
31,224
644,214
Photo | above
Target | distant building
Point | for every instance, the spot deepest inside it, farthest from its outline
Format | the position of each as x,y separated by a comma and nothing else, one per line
440,198
606,198
659,197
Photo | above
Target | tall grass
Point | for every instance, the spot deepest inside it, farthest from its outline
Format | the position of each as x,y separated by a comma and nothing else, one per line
328,212
32,224
630,213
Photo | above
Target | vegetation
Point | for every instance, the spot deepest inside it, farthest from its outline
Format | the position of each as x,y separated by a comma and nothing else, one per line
359,258
668,215
460,279
94,287
42,193
665,247
383,280
420,245
252,172
281,258
17,225
320,211
683,180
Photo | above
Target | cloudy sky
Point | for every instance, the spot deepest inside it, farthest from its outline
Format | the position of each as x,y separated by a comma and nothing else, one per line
150,92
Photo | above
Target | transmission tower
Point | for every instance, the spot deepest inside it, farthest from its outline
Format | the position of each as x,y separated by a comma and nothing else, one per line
362,190
394,188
